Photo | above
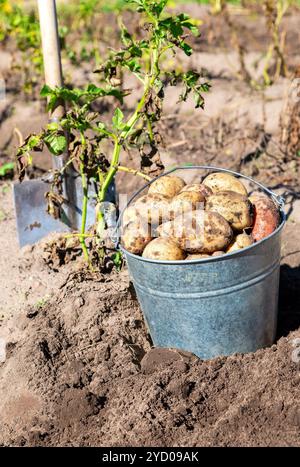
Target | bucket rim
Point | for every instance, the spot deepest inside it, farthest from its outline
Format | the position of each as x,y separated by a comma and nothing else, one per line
278,199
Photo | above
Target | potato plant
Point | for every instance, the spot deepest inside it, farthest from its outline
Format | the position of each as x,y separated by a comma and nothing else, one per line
88,133
22,28
84,27
273,12
81,29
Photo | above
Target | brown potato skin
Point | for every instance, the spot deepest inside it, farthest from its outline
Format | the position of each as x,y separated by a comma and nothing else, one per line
234,207
186,201
136,236
266,217
130,214
168,186
221,181
198,256
240,241
163,249
199,188
198,232
218,253
154,208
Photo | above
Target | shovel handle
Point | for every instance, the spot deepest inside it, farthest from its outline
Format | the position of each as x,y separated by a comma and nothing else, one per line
52,61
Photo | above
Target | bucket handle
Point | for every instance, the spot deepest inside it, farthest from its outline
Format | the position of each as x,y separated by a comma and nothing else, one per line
278,199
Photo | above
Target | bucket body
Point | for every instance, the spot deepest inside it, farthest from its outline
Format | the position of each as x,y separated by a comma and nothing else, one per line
216,306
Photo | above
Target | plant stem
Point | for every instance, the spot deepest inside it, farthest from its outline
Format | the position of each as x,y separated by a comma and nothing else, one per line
134,172
118,145
111,173
148,84
79,235
84,182
84,214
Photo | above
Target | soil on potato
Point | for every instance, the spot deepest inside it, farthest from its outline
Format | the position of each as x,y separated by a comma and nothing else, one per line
79,367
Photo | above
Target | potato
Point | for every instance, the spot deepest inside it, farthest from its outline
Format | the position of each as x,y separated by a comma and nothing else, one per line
186,201
222,181
152,208
197,256
203,255
234,207
266,217
198,231
241,241
130,214
168,186
199,188
218,253
135,236
163,249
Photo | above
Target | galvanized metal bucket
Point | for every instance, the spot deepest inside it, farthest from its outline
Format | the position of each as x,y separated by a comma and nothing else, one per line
215,306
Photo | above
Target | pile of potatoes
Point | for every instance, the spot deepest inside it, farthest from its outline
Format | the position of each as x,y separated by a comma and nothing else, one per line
176,221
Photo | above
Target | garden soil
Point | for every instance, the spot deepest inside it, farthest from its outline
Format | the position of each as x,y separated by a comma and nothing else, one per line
79,368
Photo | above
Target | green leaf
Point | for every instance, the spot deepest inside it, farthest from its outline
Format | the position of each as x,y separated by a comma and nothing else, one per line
117,259
56,143
133,66
186,48
53,126
33,142
118,119
93,89
125,36
69,95
101,126
6,169
194,29
52,102
46,91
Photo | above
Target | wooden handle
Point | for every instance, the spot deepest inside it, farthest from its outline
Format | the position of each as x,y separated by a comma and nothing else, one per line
52,61
51,48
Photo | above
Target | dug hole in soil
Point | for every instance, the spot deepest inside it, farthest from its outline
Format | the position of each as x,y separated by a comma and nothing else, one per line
80,370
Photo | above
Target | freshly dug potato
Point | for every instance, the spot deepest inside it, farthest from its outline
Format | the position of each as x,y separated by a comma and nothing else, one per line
241,241
198,232
185,201
197,256
168,186
153,207
266,217
130,215
199,188
163,249
218,253
136,235
234,207
222,181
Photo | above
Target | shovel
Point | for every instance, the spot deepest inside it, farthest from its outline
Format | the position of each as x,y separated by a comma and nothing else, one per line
33,221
